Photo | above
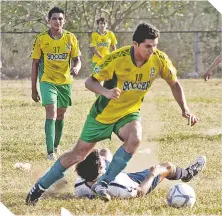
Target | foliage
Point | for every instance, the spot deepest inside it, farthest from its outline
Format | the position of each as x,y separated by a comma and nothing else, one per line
123,16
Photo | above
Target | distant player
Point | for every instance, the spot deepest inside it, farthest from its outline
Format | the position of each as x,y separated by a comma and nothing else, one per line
127,185
52,53
209,71
128,74
102,41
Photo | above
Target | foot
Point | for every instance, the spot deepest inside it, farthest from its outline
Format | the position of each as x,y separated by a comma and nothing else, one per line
100,189
52,157
57,150
34,194
194,168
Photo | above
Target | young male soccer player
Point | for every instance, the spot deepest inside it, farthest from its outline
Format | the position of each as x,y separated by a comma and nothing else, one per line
128,73
52,53
130,184
208,72
102,41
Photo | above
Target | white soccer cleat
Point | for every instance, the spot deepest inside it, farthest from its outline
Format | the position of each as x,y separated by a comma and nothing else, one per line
194,168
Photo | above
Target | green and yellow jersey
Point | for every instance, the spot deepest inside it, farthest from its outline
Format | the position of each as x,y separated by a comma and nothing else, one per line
118,69
55,56
102,43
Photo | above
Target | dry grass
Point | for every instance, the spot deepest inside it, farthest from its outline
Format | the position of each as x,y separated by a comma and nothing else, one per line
164,130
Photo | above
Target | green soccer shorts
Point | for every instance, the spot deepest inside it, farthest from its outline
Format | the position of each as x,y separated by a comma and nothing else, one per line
94,131
56,94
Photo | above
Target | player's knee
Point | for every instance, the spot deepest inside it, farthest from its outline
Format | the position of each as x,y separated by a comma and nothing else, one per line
60,116
136,140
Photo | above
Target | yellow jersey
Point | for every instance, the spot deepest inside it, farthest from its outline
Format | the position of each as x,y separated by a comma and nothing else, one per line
102,42
55,56
118,69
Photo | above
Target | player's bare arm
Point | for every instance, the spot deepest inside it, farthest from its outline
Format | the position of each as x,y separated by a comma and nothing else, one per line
35,94
113,47
208,72
95,51
179,96
76,66
93,85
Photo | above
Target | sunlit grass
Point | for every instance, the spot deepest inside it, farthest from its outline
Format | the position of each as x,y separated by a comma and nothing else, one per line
22,138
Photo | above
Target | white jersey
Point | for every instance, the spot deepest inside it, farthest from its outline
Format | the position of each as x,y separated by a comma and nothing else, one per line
123,186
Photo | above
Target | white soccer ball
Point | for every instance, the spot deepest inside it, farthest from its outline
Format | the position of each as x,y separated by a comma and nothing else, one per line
181,195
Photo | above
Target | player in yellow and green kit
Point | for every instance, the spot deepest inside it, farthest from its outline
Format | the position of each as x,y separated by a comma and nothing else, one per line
102,41
128,74
52,53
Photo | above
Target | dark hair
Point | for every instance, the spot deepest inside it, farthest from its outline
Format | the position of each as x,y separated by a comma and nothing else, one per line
145,31
101,19
55,10
88,169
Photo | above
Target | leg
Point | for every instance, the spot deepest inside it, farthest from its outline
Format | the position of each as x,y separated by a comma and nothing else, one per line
80,151
175,173
131,133
151,177
51,114
59,124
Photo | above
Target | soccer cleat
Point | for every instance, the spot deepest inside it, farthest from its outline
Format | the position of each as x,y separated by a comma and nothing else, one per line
100,190
34,194
194,168
57,150
52,157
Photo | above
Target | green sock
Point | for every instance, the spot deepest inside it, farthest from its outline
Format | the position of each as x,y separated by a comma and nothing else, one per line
59,124
50,135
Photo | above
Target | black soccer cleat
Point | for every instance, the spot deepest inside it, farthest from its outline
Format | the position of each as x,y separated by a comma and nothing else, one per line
194,168
34,194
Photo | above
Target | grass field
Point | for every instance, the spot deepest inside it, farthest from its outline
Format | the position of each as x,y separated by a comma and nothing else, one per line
164,131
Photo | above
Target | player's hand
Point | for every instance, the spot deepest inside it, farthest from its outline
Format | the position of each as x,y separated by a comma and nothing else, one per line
112,93
35,96
207,75
74,71
192,119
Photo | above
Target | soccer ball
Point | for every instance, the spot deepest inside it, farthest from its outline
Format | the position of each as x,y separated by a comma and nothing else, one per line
181,195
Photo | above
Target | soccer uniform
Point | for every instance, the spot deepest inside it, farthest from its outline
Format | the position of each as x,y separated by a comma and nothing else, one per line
102,42
118,69
54,66
124,185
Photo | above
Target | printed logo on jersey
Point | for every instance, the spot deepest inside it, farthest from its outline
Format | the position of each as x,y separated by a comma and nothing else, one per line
103,44
68,46
142,86
56,56
96,69
153,70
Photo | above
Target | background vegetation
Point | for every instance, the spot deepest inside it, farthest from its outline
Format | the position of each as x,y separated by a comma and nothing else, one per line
188,28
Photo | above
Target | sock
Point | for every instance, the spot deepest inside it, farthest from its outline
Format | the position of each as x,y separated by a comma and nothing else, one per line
119,162
59,124
180,173
54,174
50,135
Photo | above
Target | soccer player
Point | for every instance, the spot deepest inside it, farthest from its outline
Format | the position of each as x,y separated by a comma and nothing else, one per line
102,41
208,72
127,185
128,74
52,53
